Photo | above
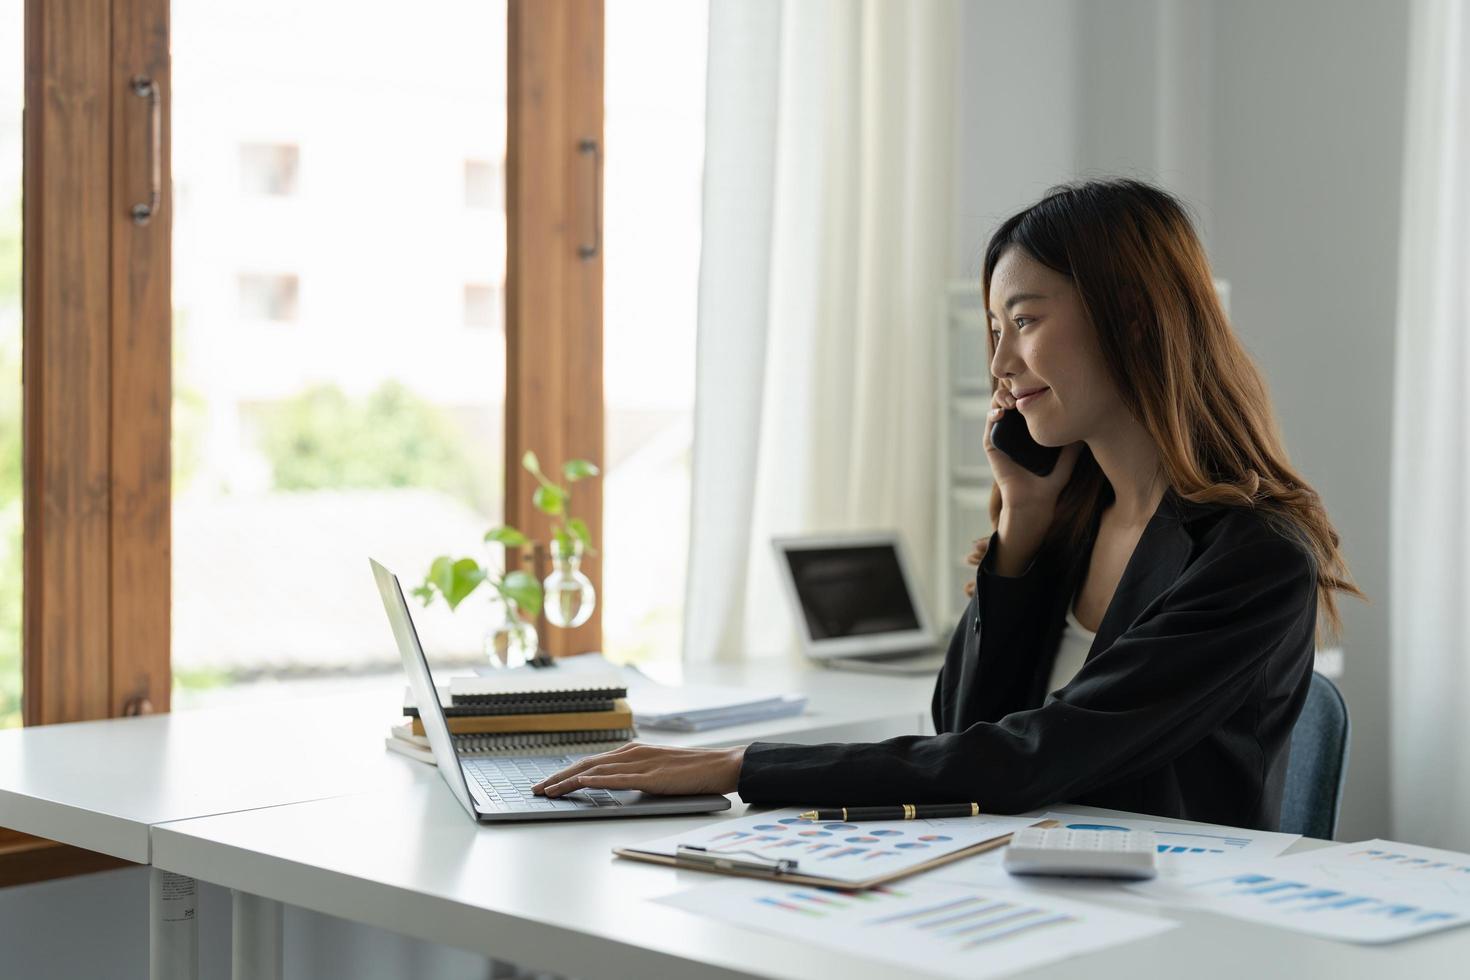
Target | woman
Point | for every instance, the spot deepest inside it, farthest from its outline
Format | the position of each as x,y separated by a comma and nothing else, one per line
1141,630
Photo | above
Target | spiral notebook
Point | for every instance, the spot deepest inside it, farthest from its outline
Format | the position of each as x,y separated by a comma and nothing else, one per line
516,686
515,707
404,741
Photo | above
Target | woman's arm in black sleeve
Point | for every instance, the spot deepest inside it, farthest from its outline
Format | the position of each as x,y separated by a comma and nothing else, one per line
951,668
1012,625
1159,689
1006,617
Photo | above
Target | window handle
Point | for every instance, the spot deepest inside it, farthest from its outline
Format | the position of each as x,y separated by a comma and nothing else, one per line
590,146
146,88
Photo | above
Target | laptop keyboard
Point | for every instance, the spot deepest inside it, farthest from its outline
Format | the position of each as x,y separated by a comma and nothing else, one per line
508,782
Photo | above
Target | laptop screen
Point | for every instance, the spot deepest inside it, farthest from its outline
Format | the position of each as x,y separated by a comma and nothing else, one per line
846,591
421,681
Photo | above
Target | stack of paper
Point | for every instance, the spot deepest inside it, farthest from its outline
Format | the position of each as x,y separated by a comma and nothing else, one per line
680,707
697,707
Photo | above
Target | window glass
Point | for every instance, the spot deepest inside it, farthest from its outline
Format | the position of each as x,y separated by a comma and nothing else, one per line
12,93
336,393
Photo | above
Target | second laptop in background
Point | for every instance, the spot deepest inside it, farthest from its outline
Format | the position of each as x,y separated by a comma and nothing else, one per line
855,604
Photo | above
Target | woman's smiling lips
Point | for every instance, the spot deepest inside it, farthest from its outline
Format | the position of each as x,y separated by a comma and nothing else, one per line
1029,394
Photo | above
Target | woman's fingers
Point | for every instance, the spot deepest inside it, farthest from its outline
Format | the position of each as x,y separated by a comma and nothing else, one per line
581,765
625,780
624,776
1000,401
652,768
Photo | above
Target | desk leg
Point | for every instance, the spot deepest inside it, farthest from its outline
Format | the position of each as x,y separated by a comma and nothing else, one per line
173,928
257,953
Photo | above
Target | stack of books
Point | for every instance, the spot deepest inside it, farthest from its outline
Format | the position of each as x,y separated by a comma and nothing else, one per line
524,714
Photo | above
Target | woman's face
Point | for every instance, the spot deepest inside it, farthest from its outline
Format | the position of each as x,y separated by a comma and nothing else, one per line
1043,339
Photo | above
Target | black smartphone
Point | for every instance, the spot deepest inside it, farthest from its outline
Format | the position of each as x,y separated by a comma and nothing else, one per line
1011,436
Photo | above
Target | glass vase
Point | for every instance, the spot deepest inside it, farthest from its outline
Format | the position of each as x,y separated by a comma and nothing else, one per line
570,597
512,641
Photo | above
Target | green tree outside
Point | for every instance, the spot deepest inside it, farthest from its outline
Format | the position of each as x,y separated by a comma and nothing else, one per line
323,440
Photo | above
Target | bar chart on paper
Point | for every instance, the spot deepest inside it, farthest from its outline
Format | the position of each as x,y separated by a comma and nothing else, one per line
939,927
1317,905
963,923
1197,840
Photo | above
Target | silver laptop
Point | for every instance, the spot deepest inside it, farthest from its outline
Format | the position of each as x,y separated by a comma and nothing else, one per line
495,788
855,603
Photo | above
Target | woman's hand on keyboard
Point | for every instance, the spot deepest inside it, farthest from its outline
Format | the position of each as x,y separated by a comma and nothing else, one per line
661,769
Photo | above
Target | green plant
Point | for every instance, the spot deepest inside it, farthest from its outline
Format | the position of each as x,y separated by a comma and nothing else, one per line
555,500
455,580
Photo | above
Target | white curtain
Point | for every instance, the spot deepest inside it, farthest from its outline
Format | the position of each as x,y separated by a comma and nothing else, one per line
1429,561
826,194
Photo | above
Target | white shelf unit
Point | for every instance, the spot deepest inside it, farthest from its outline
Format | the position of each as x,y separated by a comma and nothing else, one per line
964,474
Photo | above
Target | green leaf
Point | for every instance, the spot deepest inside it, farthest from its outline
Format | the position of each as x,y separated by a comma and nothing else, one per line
521,588
441,574
531,463
506,535
579,528
576,469
465,576
563,539
425,593
549,499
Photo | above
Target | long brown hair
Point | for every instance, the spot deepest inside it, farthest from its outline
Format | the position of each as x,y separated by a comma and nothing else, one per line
1131,251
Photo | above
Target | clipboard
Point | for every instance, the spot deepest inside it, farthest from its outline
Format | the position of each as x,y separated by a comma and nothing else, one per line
720,862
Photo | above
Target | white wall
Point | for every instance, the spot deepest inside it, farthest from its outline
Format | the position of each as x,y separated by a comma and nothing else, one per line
1309,121
1281,123
1016,130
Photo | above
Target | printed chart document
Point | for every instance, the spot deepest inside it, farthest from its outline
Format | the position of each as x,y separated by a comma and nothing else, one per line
1432,874
1373,892
922,924
844,853
1185,851
1181,847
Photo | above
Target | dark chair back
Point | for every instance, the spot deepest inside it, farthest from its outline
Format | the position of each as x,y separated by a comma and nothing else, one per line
1317,769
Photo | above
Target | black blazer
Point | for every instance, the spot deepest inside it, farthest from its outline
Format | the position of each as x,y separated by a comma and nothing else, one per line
1183,708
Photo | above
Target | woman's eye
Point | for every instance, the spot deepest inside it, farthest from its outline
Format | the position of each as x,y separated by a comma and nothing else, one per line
1017,321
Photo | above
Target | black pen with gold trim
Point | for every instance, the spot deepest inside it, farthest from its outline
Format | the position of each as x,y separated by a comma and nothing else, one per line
902,811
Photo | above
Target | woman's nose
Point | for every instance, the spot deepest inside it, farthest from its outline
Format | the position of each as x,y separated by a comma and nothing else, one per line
1003,364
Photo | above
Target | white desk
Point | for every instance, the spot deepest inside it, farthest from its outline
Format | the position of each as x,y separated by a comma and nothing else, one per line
551,896
101,784
104,785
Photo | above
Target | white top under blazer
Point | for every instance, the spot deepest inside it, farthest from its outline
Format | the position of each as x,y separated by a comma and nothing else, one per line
1076,641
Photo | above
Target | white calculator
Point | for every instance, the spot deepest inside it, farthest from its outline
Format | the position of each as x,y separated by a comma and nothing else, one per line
1090,853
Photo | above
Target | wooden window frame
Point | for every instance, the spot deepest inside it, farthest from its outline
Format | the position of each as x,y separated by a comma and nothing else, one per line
96,356
97,344
553,291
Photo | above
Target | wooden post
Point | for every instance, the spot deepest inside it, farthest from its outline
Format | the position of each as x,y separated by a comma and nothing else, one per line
553,286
